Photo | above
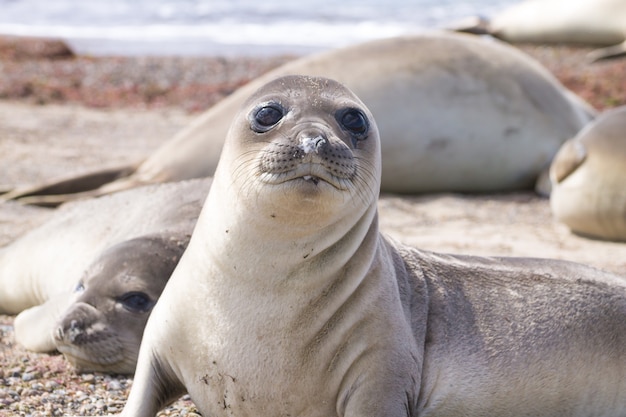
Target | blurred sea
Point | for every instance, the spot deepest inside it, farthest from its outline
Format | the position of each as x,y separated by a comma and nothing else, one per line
228,27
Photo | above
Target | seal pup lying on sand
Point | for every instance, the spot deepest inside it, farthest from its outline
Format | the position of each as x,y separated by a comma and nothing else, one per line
289,301
588,178
85,281
101,328
458,113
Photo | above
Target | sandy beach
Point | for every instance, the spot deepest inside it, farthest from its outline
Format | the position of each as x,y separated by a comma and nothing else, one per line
62,114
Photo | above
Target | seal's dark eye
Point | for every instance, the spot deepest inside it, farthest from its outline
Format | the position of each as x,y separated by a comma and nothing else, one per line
266,117
80,287
354,121
136,301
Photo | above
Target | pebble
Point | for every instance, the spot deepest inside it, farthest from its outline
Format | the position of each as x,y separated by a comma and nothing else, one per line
51,385
88,377
114,385
29,376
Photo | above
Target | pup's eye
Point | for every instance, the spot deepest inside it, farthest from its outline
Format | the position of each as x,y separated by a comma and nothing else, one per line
354,121
266,117
136,301
80,287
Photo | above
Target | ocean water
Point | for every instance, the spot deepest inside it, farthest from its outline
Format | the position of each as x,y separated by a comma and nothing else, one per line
231,27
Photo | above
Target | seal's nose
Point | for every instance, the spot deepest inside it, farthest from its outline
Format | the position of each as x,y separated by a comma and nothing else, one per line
313,143
69,332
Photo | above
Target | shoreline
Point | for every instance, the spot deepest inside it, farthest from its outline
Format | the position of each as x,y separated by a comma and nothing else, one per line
41,71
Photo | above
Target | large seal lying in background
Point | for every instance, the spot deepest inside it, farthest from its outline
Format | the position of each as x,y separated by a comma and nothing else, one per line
580,22
288,300
589,179
85,281
457,113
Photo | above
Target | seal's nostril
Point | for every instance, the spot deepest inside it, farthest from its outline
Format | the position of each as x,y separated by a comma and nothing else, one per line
321,143
312,144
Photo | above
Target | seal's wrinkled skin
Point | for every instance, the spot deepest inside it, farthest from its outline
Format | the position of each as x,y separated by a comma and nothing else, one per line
289,302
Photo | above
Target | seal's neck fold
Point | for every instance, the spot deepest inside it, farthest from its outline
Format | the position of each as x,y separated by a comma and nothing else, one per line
279,245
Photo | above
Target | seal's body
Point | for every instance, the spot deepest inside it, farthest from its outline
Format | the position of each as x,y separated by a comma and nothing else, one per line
457,113
288,300
588,177
578,22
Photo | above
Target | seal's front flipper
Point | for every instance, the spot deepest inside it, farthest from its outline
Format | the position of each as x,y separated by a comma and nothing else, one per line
570,156
68,188
55,200
611,52
154,387
34,326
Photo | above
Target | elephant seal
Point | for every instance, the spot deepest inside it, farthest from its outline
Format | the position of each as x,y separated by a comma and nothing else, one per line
102,328
458,114
288,300
588,178
121,248
581,22
99,326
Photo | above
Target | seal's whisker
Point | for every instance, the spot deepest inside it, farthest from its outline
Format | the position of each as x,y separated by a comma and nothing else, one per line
366,175
242,165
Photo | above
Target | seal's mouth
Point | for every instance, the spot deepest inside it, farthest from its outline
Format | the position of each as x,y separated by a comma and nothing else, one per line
314,180
306,175
98,357
90,356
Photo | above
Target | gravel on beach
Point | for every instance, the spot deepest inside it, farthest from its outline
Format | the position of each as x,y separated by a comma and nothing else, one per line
189,83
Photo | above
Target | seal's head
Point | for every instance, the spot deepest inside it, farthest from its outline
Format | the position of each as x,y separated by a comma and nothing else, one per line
307,136
102,328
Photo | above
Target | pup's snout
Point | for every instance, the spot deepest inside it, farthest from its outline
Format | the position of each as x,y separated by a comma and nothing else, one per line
312,143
